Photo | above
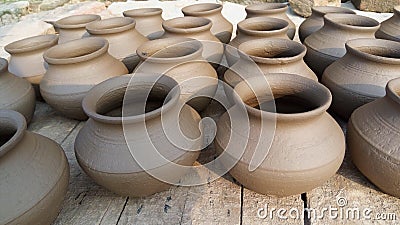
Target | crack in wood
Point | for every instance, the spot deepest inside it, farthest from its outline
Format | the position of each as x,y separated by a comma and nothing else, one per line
69,133
122,211
241,203
306,216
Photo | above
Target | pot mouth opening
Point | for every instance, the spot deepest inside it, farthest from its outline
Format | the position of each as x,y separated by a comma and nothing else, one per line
351,21
111,25
202,8
142,12
378,50
32,43
76,21
12,128
187,24
266,7
263,25
322,10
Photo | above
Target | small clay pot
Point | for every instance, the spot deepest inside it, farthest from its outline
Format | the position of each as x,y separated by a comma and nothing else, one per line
34,173
361,75
275,10
74,68
221,27
122,36
16,93
73,27
328,44
373,138
316,20
390,28
111,162
148,21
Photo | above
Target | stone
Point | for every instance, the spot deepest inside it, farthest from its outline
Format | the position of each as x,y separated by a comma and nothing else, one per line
376,5
51,4
11,12
303,7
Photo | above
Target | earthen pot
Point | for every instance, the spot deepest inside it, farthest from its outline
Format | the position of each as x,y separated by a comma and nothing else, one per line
16,93
362,74
122,36
373,139
112,162
221,27
390,28
181,59
275,10
74,68
148,21
73,27
328,44
34,174
306,146
316,20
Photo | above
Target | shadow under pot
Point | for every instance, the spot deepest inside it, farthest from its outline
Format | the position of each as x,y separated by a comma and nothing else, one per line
34,173
74,68
122,36
73,27
278,138
390,28
221,27
148,21
328,44
151,135
374,145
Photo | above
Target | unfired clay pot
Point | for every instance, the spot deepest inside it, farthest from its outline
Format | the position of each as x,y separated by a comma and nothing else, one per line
275,10
390,28
362,74
122,36
16,93
221,27
307,147
180,58
74,68
148,21
34,174
373,138
327,44
316,20
73,27
111,161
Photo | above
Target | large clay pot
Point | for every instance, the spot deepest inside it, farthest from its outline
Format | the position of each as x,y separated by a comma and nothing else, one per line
181,59
73,27
112,161
373,139
148,21
390,28
16,93
316,20
221,27
74,68
328,44
304,150
362,74
34,174
122,36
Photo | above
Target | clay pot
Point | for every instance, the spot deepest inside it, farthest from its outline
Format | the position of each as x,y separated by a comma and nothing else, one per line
34,173
373,140
221,27
328,44
306,148
252,29
122,36
148,21
390,28
74,68
362,74
16,93
181,59
316,20
118,170
73,27
275,10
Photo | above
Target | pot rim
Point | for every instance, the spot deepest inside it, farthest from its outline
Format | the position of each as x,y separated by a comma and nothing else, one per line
353,45
323,10
196,25
205,9
393,90
266,8
31,44
336,20
245,26
71,22
142,12
18,122
3,65
111,25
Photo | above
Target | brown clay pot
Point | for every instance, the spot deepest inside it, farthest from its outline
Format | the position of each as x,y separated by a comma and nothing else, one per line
148,21
328,44
362,74
122,36
181,59
74,68
73,27
373,139
390,28
316,20
111,161
16,93
34,174
221,27
306,148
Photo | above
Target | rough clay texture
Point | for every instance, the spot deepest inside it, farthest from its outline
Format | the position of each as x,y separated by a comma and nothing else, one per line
303,7
376,5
